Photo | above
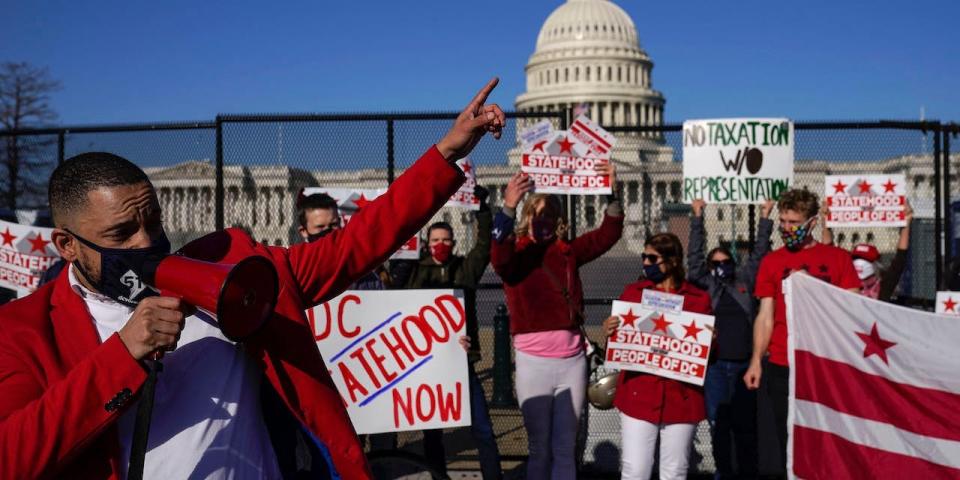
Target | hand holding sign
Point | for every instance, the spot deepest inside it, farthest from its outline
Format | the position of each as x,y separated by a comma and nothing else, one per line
517,187
472,124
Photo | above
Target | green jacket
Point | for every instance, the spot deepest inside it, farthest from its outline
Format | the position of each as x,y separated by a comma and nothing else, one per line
463,272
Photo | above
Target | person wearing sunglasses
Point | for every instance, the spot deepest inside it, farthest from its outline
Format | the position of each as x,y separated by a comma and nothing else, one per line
731,408
541,279
652,406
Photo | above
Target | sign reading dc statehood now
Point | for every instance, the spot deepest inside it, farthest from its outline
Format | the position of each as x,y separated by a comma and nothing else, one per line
737,160
395,357
563,161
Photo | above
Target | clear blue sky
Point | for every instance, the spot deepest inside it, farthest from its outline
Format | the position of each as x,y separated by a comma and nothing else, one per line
188,60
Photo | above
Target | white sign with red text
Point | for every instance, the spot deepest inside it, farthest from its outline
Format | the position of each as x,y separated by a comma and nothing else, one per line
865,200
465,197
352,200
25,253
564,161
948,303
669,344
395,357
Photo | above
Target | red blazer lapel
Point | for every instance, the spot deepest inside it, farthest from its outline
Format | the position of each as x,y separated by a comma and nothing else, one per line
73,327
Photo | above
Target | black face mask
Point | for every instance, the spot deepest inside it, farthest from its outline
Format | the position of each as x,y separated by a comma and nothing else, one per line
724,270
126,272
313,237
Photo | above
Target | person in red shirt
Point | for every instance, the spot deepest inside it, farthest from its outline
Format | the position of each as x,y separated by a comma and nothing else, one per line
798,217
652,406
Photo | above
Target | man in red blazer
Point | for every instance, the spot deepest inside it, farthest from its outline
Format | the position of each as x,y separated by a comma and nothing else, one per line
70,353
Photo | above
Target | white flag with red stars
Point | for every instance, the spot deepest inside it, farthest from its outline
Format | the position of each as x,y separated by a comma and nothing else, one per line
875,389
25,253
948,303
865,200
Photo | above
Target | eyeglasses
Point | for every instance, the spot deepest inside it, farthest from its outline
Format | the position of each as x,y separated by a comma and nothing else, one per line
726,261
650,257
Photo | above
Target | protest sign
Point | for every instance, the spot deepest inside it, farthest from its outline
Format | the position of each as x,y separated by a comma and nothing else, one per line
667,343
26,252
352,200
658,300
948,303
737,160
865,200
564,162
464,197
395,357
541,130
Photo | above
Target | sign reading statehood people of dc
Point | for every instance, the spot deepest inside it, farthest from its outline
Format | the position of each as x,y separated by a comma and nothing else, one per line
667,343
865,200
26,252
564,161
948,303
465,197
395,357
352,200
737,160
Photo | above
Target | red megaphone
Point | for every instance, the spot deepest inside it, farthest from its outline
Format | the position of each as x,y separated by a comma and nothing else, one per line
242,296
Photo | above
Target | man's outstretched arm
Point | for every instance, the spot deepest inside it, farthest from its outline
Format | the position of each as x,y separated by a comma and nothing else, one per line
326,267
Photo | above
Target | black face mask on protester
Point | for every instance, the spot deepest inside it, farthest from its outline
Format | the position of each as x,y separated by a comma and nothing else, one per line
653,273
724,270
125,271
313,237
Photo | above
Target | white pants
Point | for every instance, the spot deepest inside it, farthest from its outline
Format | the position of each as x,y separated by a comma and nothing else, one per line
639,438
551,392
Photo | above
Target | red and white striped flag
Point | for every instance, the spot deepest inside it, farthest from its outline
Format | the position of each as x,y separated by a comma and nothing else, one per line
875,387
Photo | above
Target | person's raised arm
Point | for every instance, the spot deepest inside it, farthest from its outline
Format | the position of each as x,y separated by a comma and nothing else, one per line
891,276
695,256
762,330
761,244
502,253
826,234
591,245
326,267
477,259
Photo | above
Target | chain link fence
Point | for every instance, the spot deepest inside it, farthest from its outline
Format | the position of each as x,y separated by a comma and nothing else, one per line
247,171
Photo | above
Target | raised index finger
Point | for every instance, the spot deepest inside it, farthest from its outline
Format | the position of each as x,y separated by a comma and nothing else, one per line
482,95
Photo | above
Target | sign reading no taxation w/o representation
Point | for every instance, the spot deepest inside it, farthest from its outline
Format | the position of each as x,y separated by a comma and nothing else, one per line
395,357
865,200
667,343
737,160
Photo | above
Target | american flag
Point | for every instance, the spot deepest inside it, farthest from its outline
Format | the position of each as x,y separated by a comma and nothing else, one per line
875,387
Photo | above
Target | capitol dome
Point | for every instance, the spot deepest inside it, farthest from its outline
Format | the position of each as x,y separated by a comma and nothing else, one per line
588,53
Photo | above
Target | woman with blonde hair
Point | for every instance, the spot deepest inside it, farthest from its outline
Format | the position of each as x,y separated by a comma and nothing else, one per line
540,272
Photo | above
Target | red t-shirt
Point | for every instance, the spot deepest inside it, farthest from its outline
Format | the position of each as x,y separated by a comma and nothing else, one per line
826,262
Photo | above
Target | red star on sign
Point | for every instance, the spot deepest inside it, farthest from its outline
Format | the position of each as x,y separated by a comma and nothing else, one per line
949,305
539,145
566,145
873,344
889,186
38,244
661,323
629,319
839,187
8,237
692,330
361,202
864,187
466,167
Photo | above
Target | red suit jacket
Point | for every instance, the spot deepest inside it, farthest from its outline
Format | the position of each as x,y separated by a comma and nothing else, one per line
657,399
58,382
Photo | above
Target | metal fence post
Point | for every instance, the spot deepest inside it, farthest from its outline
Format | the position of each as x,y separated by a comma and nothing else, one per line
948,252
60,146
218,189
502,368
390,160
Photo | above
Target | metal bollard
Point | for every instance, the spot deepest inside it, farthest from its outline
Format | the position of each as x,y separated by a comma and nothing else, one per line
502,367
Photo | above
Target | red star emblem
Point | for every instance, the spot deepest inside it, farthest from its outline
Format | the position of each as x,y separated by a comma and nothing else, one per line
629,319
692,330
839,187
8,237
38,244
661,323
889,186
864,186
361,202
566,145
539,145
949,305
873,344
467,167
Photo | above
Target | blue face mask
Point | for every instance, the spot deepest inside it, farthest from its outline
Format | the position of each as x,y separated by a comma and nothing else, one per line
126,272
653,273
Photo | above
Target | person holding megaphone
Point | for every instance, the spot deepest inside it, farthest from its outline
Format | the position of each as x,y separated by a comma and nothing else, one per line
76,354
